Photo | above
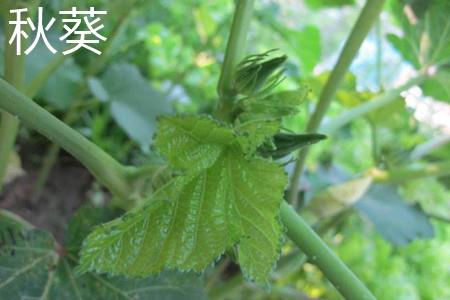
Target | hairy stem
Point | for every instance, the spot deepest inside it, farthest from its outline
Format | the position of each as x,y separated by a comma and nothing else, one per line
234,53
107,171
14,73
366,19
334,269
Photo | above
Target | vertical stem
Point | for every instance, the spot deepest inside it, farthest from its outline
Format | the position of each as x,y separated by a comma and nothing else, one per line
368,16
334,269
14,73
237,43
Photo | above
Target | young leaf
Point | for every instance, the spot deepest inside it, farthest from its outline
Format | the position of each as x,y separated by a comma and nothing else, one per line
258,74
274,106
223,200
260,118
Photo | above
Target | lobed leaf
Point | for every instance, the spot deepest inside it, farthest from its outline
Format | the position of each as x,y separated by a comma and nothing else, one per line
225,199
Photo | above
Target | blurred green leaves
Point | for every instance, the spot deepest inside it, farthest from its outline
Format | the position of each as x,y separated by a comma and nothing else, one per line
134,102
337,198
438,86
304,44
398,222
34,265
64,84
426,29
394,218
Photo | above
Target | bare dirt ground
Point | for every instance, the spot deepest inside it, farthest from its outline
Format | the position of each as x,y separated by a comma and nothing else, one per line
64,192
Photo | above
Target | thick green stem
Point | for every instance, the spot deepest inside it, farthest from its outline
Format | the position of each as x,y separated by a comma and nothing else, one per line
367,18
370,106
107,171
237,43
320,254
51,156
9,126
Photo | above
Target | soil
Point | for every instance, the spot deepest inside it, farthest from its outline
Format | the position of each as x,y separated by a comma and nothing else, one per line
64,192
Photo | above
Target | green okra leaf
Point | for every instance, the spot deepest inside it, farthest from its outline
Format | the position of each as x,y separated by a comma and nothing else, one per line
222,200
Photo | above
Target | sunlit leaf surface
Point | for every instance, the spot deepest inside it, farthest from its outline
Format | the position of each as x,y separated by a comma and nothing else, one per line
223,200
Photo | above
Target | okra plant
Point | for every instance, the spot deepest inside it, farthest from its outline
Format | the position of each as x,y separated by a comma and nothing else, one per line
222,189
